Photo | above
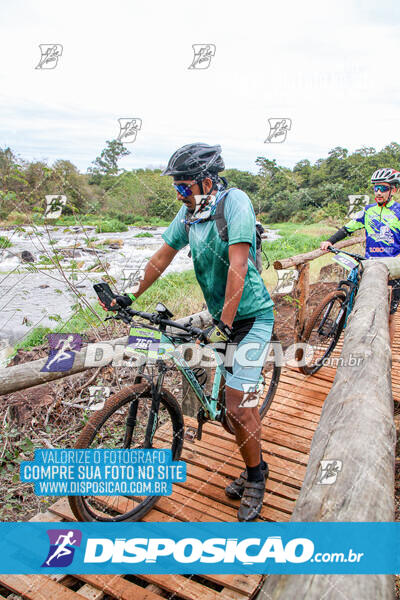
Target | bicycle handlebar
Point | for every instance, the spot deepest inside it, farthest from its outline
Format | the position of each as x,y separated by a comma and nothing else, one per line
336,251
126,314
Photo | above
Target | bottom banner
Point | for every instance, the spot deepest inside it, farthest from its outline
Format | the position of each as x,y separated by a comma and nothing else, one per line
194,548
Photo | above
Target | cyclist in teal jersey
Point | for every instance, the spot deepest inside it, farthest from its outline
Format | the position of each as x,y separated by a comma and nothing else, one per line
236,297
381,221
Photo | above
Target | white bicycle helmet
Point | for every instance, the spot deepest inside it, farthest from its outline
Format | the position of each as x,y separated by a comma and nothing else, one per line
387,175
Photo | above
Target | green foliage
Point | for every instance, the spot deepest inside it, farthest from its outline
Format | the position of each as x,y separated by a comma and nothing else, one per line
110,226
306,193
145,234
107,163
4,242
37,337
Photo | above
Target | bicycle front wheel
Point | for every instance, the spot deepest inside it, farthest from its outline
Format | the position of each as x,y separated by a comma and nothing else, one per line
322,332
124,423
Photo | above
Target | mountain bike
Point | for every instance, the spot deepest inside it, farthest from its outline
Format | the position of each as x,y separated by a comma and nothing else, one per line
322,330
146,415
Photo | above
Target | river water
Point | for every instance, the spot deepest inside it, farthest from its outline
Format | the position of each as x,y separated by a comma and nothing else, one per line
31,293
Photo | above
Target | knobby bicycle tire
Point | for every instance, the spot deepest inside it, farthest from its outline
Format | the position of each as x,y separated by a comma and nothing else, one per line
273,384
313,321
79,505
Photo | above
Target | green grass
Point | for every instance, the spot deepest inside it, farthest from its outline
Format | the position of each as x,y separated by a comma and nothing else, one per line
146,234
4,242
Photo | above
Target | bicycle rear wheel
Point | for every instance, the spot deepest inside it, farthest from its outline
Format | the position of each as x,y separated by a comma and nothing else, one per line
322,332
108,428
271,373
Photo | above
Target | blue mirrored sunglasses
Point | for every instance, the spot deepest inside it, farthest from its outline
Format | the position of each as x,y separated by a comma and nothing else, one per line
183,189
381,188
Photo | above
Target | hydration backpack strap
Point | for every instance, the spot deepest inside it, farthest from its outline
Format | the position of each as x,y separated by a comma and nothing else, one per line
220,221
222,225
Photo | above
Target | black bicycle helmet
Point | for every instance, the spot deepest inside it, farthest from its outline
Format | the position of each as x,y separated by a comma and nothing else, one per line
195,161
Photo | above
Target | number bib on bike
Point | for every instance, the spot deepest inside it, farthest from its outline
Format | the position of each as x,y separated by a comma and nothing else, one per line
148,343
345,261
143,341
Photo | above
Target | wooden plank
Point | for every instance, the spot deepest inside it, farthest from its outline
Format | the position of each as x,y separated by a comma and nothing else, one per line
38,587
90,592
277,466
191,590
119,588
201,455
280,409
227,470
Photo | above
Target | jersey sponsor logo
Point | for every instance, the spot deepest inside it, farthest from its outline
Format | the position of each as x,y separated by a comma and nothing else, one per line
377,249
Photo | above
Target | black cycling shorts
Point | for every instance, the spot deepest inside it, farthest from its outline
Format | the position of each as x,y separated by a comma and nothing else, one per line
394,303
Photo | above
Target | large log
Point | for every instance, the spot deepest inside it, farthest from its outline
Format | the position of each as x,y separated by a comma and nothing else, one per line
356,427
302,289
29,374
293,261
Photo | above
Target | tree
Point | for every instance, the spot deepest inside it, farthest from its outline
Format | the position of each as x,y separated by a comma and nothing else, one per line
107,163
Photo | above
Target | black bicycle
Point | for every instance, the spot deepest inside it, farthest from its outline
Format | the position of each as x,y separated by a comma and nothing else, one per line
322,330
146,415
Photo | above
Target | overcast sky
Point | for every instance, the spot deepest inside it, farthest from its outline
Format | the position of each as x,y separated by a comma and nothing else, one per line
331,67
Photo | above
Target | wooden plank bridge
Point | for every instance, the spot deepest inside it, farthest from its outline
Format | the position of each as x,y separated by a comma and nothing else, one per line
287,433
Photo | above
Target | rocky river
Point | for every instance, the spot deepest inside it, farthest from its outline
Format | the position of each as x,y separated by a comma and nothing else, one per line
33,290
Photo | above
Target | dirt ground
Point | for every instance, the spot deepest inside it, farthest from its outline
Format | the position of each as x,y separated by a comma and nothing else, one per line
52,415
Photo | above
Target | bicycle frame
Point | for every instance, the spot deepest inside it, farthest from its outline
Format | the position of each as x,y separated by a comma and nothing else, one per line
208,402
352,283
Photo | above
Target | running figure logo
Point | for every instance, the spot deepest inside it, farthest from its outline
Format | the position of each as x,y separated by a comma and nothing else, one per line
278,129
54,206
62,351
203,54
329,471
286,280
357,203
128,129
62,547
50,55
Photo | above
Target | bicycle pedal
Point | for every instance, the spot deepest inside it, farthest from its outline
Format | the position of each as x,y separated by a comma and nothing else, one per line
190,434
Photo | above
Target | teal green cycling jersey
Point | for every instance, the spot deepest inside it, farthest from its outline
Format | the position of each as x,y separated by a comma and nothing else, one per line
210,255
382,227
